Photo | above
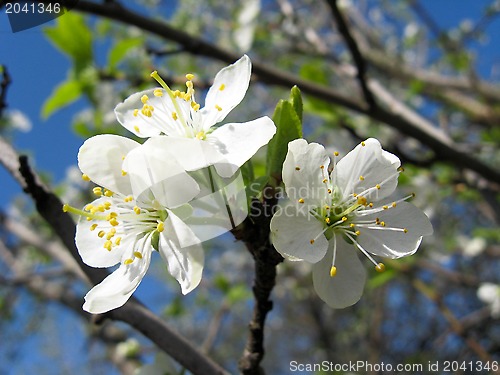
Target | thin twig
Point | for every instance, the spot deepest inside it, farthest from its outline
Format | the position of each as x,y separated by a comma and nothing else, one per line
359,61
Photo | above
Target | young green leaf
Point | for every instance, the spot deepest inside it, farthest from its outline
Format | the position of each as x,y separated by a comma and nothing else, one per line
120,49
63,95
289,127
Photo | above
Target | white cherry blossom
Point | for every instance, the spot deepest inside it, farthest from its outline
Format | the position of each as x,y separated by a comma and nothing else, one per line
180,125
328,216
134,213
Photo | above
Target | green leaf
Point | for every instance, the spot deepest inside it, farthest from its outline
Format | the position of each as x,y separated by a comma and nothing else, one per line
120,49
296,100
73,37
288,127
63,95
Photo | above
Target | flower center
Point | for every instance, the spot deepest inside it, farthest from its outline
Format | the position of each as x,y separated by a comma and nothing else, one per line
114,216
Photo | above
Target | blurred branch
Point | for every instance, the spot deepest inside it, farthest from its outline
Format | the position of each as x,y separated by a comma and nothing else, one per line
402,120
359,61
4,84
50,208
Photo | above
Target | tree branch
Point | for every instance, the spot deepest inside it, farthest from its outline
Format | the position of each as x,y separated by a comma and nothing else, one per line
359,61
255,234
4,84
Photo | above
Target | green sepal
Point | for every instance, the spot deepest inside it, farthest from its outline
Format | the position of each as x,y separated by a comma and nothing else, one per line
155,240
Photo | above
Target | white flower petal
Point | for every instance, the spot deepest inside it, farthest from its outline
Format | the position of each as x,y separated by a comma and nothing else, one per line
302,172
155,174
228,90
91,246
395,244
346,288
365,167
101,158
185,263
117,288
292,231
239,142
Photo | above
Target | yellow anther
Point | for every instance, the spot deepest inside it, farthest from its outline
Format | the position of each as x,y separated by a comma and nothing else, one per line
352,225
174,116
108,193
336,153
327,220
128,199
88,207
107,205
344,218
128,261
186,96
136,112
382,223
297,168
93,226
85,177
101,234
65,207
380,267
325,180
361,178
401,169
301,200
137,254
97,190
89,219
189,76
217,107
154,74
118,240
413,195
137,130
176,93
124,173
329,191
370,204
222,87
363,144
377,186
144,99
311,242
357,233
147,110
196,107
322,166
354,195
201,135
158,92
160,227
110,235
405,230
333,271
327,207
393,204
362,200
385,207
137,210
107,245
114,222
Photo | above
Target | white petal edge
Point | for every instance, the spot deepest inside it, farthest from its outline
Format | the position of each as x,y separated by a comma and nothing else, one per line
101,157
292,231
234,81
346,288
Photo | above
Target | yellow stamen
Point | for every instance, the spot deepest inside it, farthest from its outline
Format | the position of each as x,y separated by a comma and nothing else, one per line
174,116
136,112
189,76
137,210
362,200
85,177
297,168
380,267
218,107
333,271
160,227
97,191
158,92
101,234
222,87
311,242
114,222
377,186
301,200
118,240
108,193
336,153
124,173
136,128
107,245
128,261
93,226
363,144
137,254
144,99
361,178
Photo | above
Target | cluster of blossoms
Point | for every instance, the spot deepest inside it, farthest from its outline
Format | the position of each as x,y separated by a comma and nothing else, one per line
182,186
330,215
149,196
